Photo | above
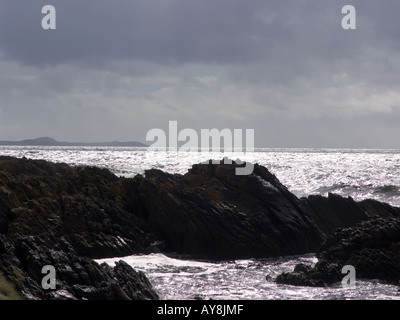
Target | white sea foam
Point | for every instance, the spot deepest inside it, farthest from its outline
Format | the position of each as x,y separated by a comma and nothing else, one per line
251,279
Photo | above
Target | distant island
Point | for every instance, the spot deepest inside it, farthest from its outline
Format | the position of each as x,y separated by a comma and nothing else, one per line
46,141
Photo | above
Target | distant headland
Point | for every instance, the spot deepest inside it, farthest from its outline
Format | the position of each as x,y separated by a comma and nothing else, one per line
46,141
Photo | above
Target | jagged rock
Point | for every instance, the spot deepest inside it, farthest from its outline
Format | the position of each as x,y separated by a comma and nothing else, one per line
372,247
76,277
335,211
54,214
212,213
80,204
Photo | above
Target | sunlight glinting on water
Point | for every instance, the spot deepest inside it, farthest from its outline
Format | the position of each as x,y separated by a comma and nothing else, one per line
360,174
251,279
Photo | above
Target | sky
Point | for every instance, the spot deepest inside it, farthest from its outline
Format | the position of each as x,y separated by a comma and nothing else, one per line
113,70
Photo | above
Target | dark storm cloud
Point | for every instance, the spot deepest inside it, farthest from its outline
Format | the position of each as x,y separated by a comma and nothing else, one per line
178,31
159,30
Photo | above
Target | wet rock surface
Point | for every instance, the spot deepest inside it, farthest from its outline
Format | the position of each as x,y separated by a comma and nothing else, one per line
53,214
64,216
212,213
76,277
372,247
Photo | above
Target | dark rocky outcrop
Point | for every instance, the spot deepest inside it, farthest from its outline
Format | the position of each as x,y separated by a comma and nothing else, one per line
212,213
363,234
54,214
335,211
65,216
372,247
77,277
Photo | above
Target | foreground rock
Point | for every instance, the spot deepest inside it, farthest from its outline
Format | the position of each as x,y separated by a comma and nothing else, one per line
53,214
372,248
77,277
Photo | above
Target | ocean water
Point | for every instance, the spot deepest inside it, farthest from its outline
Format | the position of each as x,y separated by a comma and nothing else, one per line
360,174
252,279
357,173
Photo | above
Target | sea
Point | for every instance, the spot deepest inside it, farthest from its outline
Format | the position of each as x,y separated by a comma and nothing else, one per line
357,173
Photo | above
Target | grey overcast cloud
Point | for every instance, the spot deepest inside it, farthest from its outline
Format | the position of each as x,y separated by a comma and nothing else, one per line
113,70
